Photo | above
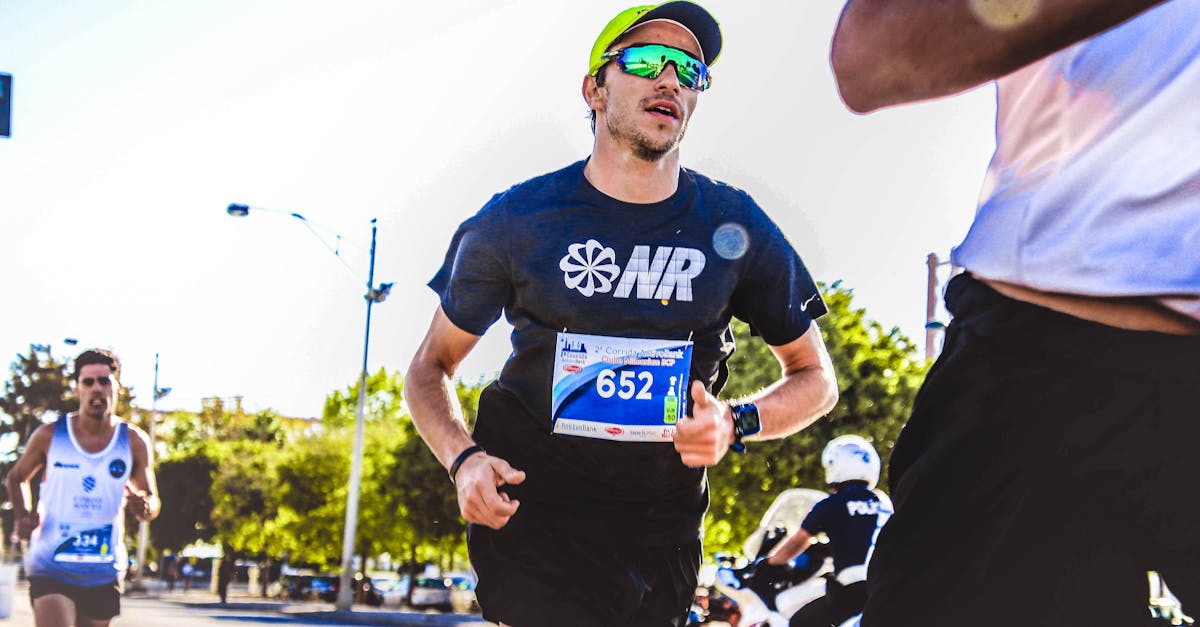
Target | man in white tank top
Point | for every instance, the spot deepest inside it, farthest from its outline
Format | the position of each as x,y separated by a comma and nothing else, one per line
94,466
1046,466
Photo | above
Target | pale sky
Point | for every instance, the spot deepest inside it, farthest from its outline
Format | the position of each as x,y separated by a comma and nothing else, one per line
136,123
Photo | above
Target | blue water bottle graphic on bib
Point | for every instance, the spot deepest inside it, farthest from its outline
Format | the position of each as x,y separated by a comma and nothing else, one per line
617,388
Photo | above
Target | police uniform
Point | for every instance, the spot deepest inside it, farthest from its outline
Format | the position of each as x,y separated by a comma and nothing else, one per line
850,518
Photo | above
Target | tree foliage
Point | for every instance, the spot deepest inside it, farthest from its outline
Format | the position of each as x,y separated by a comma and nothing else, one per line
384,401
184,483
38,391
878,375
244,493
276,486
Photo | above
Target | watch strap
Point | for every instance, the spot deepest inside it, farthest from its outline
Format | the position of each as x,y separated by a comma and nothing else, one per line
745,422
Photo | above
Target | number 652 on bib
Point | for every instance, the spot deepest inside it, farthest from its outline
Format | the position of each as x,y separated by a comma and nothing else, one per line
618,388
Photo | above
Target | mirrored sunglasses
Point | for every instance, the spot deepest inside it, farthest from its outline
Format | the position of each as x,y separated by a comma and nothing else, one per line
650,60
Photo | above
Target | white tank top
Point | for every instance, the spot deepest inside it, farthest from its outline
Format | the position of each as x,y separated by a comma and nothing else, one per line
81,537
1094,188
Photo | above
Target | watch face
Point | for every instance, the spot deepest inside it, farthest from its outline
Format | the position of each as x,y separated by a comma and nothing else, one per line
747,418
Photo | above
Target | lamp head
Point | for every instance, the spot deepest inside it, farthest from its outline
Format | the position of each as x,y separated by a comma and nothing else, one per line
237,211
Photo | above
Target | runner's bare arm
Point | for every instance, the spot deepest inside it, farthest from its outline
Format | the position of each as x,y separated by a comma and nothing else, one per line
429,391
17,480
806,390
887,52
141,491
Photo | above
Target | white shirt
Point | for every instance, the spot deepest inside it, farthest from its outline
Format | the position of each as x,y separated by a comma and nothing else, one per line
1094,188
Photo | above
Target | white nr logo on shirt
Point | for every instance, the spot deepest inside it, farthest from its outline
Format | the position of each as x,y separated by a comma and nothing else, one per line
591,268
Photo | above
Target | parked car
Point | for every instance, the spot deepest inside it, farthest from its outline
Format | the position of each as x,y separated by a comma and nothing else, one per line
386,590
325,587
432,592
304,585
293,585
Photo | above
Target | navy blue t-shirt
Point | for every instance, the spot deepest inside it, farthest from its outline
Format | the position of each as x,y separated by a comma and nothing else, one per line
849,517
554,254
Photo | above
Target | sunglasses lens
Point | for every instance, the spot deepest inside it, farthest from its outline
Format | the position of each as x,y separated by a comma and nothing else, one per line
650,61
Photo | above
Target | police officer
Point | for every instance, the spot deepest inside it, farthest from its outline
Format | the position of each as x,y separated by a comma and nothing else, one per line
850,518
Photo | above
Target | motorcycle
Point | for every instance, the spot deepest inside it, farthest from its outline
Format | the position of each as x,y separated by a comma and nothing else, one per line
769,596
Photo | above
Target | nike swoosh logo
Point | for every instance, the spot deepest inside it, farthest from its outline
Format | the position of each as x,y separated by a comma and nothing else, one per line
804,305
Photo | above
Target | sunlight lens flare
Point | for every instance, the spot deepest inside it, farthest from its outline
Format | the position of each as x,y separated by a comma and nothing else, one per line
731,241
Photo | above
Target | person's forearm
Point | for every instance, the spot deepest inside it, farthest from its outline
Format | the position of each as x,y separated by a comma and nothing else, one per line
18,494
795,401
792,546
888,52
435,411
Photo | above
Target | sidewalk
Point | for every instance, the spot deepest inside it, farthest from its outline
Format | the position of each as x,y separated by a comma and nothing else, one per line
241,598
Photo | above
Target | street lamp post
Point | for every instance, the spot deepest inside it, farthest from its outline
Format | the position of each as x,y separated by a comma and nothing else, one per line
345,598
933,326
144,526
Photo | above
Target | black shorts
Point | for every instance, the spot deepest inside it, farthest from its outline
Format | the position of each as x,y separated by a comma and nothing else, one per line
1048,464
95,602
533,575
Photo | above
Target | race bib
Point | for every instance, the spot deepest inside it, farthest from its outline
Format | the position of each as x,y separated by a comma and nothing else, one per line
616,388
91,545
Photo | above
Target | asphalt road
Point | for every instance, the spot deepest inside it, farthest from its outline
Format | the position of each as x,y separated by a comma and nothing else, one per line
196,608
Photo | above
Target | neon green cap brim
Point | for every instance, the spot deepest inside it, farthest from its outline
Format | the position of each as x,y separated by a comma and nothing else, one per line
688,14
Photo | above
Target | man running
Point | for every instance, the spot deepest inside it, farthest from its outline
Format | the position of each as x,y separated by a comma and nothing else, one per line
583,481
95,467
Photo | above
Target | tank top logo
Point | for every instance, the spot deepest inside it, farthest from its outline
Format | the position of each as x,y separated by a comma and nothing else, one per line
591,269
89,483
116,468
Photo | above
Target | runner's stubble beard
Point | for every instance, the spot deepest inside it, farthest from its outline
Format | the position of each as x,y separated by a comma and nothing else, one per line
644,146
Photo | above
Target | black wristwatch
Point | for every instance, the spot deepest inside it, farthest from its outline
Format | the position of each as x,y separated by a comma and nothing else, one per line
745,422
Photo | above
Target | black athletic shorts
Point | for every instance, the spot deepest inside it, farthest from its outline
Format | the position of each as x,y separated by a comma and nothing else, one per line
95,602
534,575
1048,464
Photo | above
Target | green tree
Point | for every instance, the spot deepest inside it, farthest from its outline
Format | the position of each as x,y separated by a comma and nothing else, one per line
419,493
313,475
38,391
377,526
184,483
878,376
245,493
217,475
384,401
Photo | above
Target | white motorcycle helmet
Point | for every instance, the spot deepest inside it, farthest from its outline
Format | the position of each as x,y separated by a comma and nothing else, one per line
850,458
